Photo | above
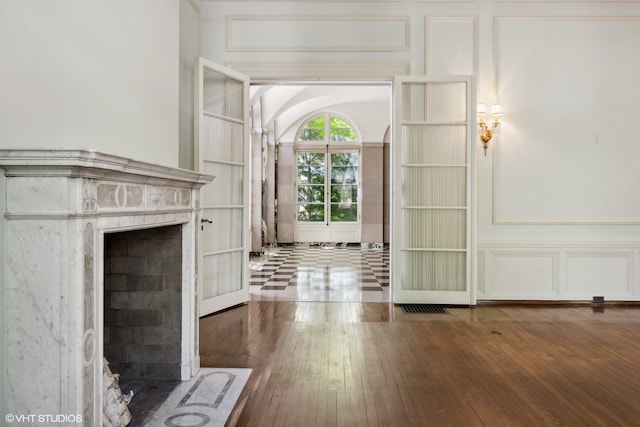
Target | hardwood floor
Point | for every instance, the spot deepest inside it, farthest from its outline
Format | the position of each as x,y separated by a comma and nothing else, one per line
370,364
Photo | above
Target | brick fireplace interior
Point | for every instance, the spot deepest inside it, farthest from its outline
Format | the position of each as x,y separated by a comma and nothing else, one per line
142,303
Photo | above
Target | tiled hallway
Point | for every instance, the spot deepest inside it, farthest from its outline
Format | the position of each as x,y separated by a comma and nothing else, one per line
321,273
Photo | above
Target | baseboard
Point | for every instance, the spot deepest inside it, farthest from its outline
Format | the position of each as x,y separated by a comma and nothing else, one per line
556,303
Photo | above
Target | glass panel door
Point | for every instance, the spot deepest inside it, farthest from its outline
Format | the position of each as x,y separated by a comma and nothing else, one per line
328,196
222,151
432,239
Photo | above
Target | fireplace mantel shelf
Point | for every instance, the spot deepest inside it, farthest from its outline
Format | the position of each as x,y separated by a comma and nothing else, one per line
96,165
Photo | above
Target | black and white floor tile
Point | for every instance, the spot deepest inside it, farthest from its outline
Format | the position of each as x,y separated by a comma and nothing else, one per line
321,273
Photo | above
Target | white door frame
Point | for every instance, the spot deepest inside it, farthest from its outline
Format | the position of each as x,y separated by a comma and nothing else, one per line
472,261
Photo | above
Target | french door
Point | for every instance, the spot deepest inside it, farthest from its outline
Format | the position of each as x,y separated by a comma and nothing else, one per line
328,195
432,194
222,150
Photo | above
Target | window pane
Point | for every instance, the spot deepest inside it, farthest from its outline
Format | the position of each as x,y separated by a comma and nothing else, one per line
310,159
344,175
310,175
344,203
341,131
310,194
313,131
311,168
344,212
344,159
311,213
344,194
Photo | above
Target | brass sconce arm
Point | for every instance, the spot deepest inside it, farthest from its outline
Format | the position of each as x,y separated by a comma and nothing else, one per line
486,129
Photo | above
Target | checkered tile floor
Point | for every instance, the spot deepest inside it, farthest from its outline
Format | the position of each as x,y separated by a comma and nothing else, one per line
321,274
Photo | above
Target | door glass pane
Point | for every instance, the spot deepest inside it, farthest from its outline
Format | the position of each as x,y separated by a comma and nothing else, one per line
311,190
311,212
434,144
343,175
225,140
344,212
434,228
227,187
434,186
222,273
434,101
311,168
222,95
344,159
434,271
225,232
310,194
344,187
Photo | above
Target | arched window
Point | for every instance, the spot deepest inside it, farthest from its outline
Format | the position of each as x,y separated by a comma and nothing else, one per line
328,180
327,128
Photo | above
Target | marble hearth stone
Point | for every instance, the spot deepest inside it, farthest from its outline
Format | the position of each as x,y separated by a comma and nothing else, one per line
147,397
205,400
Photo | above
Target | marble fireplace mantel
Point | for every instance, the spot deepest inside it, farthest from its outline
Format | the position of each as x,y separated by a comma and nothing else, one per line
57,205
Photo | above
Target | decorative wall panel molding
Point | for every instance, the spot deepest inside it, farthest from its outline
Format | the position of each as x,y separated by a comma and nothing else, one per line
559,270
451,45
557,244
567,151
307,33
326,70
514,274
481,275
588,273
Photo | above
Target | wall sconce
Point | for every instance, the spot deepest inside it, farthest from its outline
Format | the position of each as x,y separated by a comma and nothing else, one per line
486,129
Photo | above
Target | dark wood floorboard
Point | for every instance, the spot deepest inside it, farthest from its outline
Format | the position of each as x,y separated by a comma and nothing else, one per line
370,364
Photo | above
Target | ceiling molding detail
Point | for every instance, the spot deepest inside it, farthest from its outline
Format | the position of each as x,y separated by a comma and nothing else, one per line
327,71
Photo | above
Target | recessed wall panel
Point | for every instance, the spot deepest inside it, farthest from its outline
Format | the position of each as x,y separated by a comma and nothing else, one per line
317,33
599,273
568,150
451,46
530,273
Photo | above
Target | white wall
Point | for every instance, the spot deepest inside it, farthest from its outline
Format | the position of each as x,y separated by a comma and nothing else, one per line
189,52
558,195
91,74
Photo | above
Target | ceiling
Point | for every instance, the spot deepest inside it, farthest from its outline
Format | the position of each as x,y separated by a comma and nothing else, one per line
282,107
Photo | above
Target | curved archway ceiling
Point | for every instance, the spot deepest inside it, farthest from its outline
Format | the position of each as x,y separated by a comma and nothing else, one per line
289,103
